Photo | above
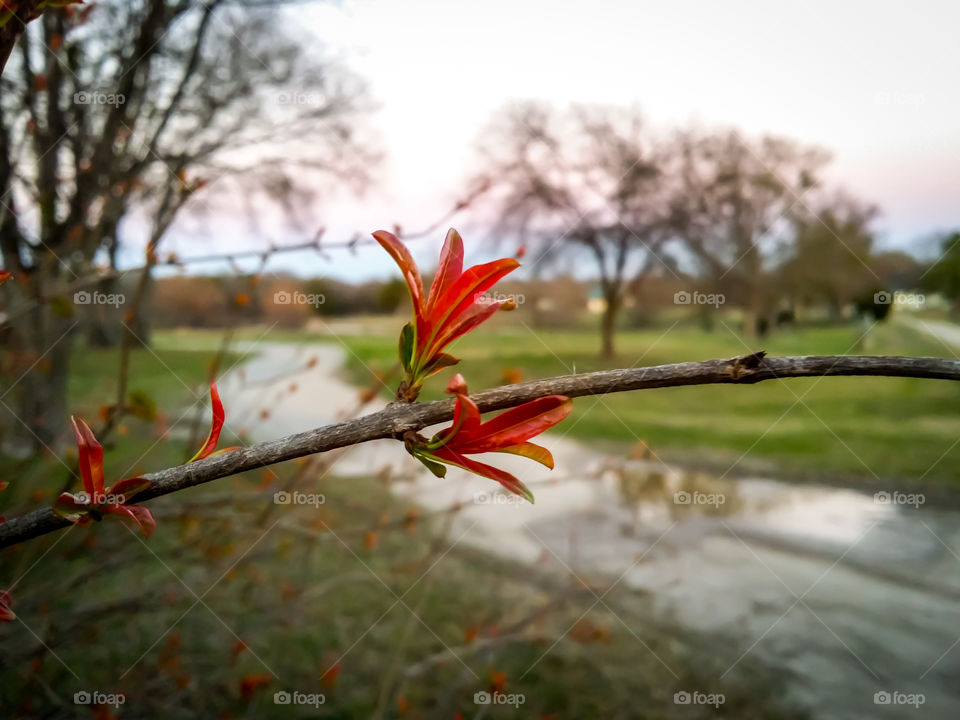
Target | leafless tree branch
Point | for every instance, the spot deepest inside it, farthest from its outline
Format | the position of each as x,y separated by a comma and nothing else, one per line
398,418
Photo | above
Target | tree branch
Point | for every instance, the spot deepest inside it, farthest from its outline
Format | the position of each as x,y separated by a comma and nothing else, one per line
397,418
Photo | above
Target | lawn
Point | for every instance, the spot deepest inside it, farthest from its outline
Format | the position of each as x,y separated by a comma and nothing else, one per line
360,600
236,598
870,429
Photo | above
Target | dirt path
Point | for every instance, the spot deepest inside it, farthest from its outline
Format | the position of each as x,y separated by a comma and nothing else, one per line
947,333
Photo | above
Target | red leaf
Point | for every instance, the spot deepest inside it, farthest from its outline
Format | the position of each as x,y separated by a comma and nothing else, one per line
249,684
140,515
128,487
471,319
216,425
402,257
457,385
91,458
511,483
449,269
460,297
515,425
6,614
532,451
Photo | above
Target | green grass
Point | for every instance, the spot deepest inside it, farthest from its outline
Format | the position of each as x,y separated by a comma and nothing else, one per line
172,379
102,610
124,616
160,373
855,428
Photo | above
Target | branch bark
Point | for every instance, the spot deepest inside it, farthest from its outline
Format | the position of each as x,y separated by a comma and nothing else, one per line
398,418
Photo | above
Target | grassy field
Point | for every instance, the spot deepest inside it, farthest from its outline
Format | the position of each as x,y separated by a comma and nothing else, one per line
172,379
870,429
235,598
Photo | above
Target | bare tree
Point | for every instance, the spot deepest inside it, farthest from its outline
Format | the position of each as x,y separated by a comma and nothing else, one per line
740,196
114,122
828,259
590,182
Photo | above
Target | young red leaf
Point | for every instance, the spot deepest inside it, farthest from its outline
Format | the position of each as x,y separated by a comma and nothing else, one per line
517,425
511,483
216,425
128,487
508,433
461,296
532,451
140,515
453,307
6,614
402,257
91,459
97,502
449,269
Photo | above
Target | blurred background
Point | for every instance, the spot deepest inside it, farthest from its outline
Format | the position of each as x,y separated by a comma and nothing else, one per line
187,192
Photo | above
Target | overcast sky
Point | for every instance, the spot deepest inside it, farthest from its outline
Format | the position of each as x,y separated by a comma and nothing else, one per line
877,83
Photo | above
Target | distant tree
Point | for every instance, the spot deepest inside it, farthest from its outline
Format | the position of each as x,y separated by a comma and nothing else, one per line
827,257
113,121
943,275
740,199
590,182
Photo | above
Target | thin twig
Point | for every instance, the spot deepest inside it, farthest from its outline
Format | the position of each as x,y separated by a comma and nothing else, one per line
398,418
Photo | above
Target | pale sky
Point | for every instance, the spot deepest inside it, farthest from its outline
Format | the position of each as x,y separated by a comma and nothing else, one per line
877,83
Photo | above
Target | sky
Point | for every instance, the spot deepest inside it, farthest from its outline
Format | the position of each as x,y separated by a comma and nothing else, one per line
876,83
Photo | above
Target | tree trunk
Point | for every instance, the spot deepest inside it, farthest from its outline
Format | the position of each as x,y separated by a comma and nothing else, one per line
42,343
608,326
